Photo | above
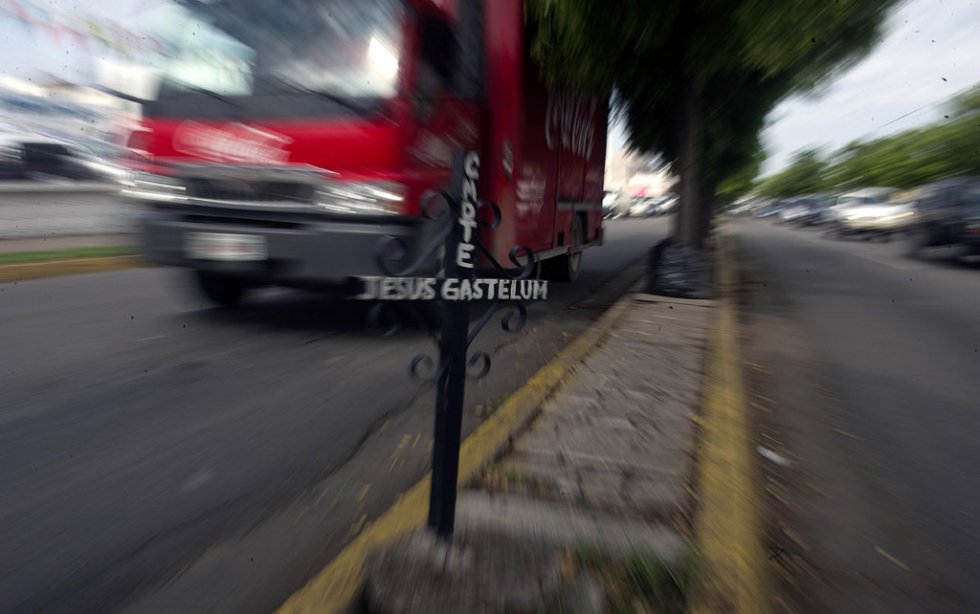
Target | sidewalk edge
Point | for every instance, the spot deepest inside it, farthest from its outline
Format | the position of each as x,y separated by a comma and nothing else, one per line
336,587
75,266
728,528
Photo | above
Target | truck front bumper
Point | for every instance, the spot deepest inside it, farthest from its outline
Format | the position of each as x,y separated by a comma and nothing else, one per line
300,251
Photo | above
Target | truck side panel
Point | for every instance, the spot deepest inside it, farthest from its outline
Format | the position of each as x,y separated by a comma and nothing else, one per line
544,159
575,128
595,170
503,123
537,169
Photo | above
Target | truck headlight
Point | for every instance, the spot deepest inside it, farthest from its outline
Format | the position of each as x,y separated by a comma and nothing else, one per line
146,186
361,198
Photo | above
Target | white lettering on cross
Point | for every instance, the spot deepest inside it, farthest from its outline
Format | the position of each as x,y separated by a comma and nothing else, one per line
467,210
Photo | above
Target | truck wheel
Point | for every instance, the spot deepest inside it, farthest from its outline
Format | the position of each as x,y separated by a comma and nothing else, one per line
223,291
567,266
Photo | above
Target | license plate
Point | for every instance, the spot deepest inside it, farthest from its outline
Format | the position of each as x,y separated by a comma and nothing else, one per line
225,246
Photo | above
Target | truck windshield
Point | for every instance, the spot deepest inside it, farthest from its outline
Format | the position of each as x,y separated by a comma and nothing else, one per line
253,57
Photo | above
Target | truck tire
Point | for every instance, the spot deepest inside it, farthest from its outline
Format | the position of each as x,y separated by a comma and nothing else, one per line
567,267
223,291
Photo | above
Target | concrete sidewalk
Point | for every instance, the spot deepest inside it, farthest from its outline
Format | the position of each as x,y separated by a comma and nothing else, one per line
600,482
619,437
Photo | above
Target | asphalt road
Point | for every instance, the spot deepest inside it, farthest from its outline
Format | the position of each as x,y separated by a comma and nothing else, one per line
159,455
866,372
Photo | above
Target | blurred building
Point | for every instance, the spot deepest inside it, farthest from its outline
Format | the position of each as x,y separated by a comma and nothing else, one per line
55,108
638,175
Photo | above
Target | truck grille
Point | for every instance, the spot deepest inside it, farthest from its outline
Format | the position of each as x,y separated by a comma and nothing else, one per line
245,191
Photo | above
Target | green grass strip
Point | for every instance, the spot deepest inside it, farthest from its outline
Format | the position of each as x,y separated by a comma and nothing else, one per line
73,253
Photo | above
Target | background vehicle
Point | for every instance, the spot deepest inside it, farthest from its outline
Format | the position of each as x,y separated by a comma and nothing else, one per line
619,207
818,210
34,158
748,205
644,207
287,164
768,211
805,210
947,213
863,203
881,220
793,210
666,203
608,202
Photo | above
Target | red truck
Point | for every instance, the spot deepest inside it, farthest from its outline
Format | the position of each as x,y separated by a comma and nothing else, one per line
283,141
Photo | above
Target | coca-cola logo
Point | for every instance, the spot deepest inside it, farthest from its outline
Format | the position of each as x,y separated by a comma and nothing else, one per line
570,123
231,143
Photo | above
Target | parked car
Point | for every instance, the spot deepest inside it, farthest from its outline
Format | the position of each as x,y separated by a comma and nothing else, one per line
768,211
819,213
881,220
803,210
947,213
618,205
793,210
816,210
741,208
35,158
851,210
608,204
643,207
667,203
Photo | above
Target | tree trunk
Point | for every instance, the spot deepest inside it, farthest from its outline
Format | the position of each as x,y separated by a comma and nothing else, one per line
688,230
707,209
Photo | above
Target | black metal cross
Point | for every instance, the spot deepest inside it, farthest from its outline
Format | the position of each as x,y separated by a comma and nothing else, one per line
455,253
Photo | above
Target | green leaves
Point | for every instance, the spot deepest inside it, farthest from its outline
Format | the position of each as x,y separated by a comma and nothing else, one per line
945,148
914,157
805,175
739,58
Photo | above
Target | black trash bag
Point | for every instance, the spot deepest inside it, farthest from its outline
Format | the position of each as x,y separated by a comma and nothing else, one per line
677,271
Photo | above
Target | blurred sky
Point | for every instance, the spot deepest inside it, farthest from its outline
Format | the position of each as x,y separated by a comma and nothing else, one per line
931,51
899,85
30,51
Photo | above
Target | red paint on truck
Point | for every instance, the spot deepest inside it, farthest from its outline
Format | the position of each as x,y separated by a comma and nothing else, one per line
542,151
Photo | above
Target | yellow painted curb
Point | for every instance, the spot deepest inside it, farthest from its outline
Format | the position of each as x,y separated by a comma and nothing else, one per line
76,266
334,588
732,577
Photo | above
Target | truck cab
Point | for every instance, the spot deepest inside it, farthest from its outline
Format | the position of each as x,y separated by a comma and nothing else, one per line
282,142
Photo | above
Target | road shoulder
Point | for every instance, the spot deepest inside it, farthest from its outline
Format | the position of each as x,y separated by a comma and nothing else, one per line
733,574
42,257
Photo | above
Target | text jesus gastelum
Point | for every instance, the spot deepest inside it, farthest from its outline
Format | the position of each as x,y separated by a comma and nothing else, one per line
431,288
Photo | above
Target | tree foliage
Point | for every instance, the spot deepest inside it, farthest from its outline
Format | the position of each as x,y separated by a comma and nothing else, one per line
948,147
945,148
805,175
696,78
